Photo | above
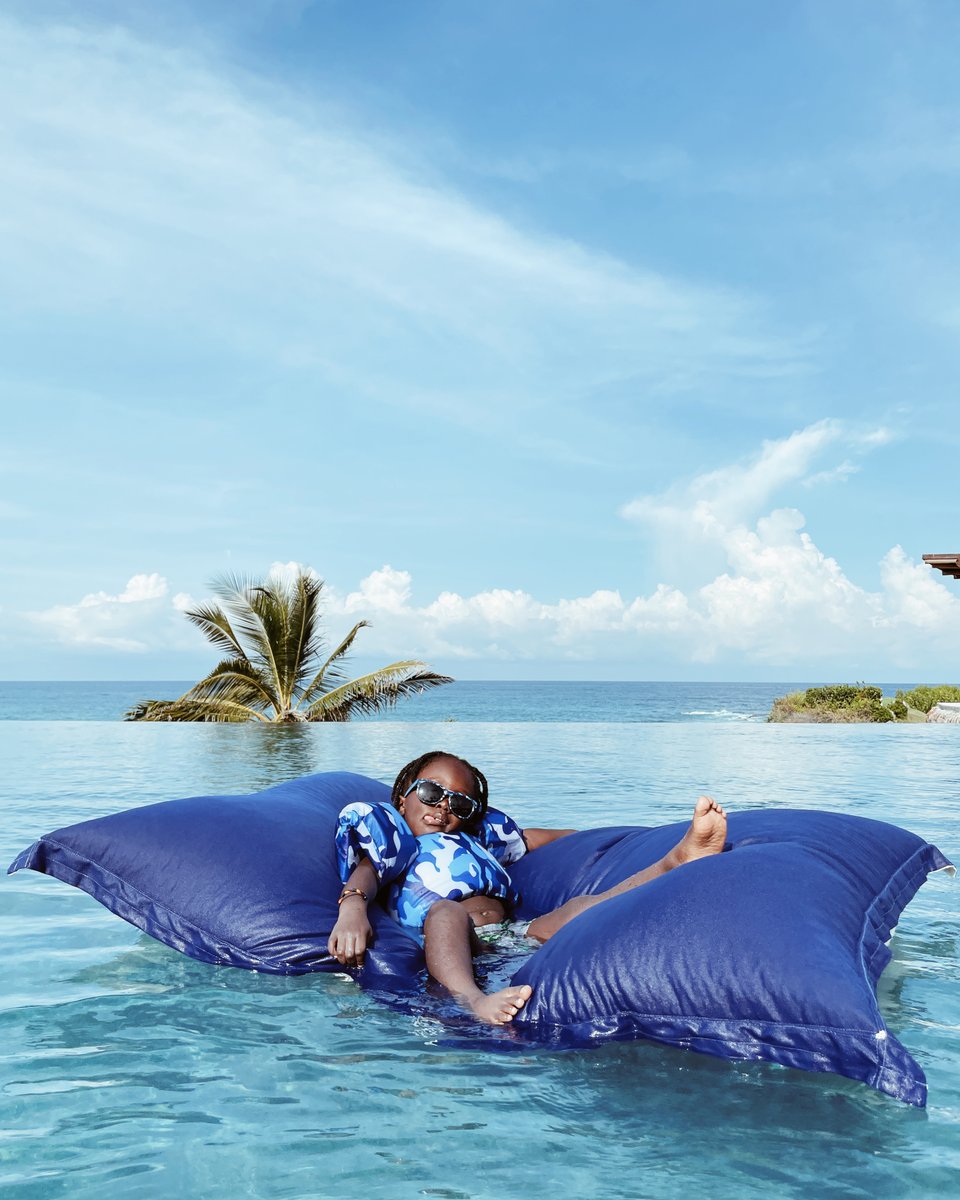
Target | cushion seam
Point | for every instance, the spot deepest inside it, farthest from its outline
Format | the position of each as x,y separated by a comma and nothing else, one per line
683,1017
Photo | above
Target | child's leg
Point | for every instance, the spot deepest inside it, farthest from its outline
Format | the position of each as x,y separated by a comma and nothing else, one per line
483,910
706,835
448,934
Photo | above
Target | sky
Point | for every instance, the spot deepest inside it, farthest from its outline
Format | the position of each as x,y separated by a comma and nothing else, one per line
563,341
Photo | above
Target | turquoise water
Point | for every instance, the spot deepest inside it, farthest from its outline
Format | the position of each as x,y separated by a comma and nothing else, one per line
127,1070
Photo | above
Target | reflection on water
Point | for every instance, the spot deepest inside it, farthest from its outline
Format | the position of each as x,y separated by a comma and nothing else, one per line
273,754
129,1070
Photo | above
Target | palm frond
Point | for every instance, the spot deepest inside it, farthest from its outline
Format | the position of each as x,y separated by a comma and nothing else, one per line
270,603
305,640
331,676
271,632
376,691
216,711
237,681
214,624
231,584
288,611
239,595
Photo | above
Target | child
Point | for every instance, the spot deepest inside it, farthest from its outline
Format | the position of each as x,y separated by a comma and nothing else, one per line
441,794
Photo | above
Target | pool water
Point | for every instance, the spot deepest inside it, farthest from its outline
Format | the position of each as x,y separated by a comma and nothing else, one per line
129,1070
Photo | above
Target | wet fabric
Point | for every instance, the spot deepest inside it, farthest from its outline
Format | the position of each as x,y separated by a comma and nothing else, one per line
771,950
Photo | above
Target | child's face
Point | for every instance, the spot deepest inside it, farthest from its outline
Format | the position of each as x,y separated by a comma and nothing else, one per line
420,817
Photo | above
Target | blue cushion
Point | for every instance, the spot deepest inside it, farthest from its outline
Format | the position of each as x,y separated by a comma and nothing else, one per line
248,881
771,950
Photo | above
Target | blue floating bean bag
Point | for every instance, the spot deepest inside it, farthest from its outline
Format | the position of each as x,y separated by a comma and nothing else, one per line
245,881
771,950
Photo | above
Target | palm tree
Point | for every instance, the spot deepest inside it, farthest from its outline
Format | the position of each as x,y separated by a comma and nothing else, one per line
270,632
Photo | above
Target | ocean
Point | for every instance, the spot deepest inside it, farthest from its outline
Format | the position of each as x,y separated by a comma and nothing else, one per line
463,700
128,1070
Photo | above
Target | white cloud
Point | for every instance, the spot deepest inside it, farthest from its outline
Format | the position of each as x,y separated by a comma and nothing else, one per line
666,611
147,185
918,599
132,621
782,602
286,573
779,601
839,474
386,590
720,499
783,599
139,589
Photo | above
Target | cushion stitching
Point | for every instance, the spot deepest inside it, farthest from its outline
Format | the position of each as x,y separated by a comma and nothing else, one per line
897,884
671,1016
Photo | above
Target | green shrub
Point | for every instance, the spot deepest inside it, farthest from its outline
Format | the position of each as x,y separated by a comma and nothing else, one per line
898,708
836,702
841,695
784,707
924,698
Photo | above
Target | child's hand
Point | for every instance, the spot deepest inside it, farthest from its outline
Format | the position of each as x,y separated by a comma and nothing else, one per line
351,934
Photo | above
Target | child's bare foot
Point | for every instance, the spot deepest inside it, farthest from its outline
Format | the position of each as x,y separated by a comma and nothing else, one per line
707,833
499,1008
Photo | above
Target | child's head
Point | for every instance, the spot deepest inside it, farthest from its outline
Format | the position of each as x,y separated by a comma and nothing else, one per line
473,783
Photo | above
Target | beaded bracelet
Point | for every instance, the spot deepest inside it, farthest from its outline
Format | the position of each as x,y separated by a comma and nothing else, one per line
347,892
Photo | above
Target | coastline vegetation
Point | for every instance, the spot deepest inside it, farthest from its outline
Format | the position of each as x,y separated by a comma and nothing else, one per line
275,669
924,698
845,703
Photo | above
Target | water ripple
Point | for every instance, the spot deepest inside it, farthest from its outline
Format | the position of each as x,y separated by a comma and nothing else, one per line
129,1070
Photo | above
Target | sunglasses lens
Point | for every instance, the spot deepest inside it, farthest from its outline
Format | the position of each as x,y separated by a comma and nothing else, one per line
430,793
462,807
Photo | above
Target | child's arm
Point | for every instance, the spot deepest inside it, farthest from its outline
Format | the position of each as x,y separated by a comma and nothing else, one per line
352,933
535,838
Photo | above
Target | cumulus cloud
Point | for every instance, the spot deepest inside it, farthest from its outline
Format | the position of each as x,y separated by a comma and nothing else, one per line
917,598
780,600
386,590
132,620
783,602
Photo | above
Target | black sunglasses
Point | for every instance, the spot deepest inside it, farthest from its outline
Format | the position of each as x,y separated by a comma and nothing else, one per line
462,806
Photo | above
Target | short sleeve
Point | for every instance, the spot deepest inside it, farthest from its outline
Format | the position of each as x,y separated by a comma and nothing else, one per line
502,836
377,833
